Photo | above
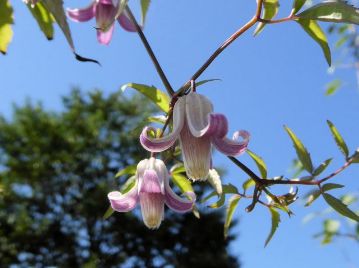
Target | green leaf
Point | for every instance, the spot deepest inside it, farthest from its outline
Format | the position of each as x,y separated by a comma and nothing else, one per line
157,96
322,167
331,226
219,203
212,194
331,186
44,19
302,152
338,139
6,19
108,213
200,83
316,33
312,196
356,157
129,170
340,207
332,87
229,189
297,5
178,168
182,182
337,11
260,163
270,10
275,222
248,183
232,205
55,7
145,4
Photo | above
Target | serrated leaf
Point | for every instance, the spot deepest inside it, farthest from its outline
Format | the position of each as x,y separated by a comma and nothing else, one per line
331,186
43,18
337,11
6,19
270,10
338,139
232,205
313,29
297,5
322,167
157,96
332,87
340,207
145,4
260,163
275,223
301,151
248,183
182,182
129,170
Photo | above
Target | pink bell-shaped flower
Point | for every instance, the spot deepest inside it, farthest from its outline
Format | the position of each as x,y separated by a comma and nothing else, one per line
105,12
152,191
197,128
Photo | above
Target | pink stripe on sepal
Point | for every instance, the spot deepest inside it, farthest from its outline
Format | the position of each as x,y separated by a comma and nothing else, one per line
232,147
157,145
83,14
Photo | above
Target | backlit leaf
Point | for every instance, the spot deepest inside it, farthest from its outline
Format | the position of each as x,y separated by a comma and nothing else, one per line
248,183
340,207
145,4
322,167
6,19
182,182
232,205
297,5
332,87
270,9
331,186
275,222
157,96
44,19
302,152
316,33
260,163
338,139
334,11
129,170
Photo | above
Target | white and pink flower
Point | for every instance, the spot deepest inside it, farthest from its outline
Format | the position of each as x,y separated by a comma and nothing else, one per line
197,128
152,191
105,12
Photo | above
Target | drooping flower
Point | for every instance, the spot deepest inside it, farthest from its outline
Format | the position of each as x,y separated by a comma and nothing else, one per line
197,128
105,13
152,191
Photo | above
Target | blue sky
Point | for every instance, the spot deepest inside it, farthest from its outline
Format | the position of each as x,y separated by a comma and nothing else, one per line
269,81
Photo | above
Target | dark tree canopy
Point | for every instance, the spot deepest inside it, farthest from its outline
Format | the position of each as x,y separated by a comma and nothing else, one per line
56,169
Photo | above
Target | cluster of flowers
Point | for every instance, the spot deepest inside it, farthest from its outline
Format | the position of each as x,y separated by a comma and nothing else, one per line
194,124
197,128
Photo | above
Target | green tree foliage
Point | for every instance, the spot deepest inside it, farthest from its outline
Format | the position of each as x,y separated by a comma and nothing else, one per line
56,169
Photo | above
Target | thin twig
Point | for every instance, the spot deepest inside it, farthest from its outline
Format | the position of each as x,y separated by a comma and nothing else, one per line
150,53
224,45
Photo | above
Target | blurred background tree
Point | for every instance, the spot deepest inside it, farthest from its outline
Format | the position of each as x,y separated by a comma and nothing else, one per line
56,169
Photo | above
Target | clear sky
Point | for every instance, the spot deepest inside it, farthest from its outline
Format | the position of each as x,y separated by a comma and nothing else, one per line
269,81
